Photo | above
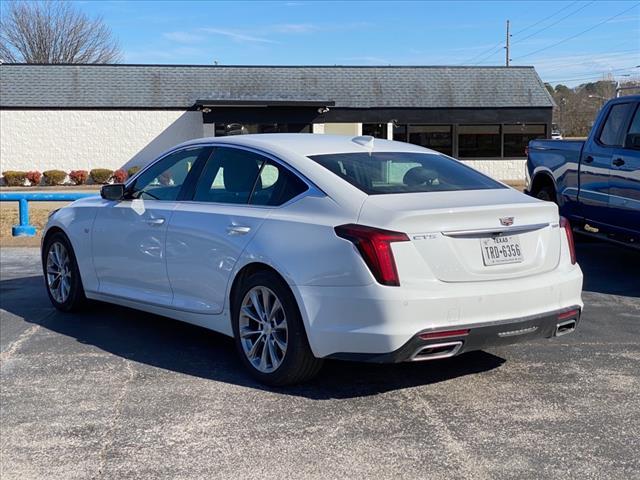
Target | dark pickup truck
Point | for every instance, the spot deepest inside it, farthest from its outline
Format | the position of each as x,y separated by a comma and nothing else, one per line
596,183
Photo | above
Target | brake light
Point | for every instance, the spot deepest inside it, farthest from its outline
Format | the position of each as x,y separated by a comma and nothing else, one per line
564,223
374,245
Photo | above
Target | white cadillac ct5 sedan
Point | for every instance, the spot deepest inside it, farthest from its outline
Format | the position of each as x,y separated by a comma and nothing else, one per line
305,247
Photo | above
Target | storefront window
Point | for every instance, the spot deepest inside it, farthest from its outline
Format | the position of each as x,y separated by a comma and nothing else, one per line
377,130
517,137
225,129
400,133
479,141
436,137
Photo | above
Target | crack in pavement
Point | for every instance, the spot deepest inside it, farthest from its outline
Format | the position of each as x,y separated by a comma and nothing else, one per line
109,434
17,343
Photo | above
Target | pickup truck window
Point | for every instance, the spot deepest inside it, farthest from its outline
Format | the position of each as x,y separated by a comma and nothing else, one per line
612,131
633,135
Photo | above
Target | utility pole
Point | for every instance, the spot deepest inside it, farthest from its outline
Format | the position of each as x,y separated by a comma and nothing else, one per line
508,45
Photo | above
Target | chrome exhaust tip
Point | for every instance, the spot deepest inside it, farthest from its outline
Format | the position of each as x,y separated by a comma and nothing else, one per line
436,351
563,328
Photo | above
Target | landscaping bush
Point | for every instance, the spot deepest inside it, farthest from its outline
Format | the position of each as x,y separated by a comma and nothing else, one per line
79,177
54,177
34,178
14,178
119,176
132,171
101,175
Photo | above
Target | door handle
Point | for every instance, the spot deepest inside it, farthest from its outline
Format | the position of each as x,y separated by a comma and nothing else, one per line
618,162
155,221
588,159
238,229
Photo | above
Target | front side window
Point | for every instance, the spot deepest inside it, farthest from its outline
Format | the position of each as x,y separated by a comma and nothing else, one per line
611,134
164,180
404,172
633,135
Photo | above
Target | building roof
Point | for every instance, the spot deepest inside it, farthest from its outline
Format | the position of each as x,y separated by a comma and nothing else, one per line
180,86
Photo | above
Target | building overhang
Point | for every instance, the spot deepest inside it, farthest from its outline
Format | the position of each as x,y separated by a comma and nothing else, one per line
262,103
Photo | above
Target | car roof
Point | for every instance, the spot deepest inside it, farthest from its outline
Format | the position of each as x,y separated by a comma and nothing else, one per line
307,144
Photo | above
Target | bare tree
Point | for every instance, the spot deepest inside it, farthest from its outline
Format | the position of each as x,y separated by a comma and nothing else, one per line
54,32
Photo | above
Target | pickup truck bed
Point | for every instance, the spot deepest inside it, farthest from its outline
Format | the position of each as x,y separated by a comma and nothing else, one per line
596,183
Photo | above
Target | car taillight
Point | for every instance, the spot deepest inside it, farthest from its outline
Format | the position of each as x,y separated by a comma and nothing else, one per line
564,223
374,245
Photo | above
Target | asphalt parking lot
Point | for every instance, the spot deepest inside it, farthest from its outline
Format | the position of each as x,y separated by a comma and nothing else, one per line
114,393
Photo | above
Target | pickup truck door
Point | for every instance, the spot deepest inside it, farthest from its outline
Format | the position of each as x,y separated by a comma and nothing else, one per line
624,183
599,152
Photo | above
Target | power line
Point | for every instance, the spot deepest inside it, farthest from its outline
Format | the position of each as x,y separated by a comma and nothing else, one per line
554,23
545,18
599,59
578,34
499,44
594,75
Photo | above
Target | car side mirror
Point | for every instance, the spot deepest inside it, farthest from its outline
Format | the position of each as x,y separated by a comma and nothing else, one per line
633,141
112,192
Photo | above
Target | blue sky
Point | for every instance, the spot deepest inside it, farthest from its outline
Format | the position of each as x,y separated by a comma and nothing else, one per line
383,33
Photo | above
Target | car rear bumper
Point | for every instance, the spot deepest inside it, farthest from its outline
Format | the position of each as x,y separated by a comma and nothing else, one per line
375,319
448,342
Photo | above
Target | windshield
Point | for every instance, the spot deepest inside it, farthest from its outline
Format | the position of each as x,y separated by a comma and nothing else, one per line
404,172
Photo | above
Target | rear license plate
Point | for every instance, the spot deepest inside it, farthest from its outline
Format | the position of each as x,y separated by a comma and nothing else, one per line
501,250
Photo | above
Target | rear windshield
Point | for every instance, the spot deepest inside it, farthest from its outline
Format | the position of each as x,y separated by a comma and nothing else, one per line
404,172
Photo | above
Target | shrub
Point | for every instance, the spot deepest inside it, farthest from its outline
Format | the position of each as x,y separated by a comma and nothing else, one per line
34,178
78,177
14,178
119,176
101,175
132,171
54,177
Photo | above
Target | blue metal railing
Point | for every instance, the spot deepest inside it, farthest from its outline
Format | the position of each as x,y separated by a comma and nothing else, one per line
23,229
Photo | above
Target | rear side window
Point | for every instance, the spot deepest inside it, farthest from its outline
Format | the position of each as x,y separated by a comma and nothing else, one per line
612,131
276,185
229,176
243,177
404,172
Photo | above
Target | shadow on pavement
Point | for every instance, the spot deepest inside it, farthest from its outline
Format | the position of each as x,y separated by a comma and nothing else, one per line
608,268
183,348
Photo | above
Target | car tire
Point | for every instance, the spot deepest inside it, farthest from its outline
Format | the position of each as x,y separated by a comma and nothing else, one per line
547,194
269,332
61,274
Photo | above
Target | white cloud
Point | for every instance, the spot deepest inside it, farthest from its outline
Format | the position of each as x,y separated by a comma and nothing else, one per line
237,36
183,37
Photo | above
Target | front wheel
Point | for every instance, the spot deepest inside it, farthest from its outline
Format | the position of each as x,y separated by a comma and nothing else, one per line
269,332
61,274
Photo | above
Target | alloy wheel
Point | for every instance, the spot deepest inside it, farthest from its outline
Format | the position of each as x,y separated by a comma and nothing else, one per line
263,329
59,272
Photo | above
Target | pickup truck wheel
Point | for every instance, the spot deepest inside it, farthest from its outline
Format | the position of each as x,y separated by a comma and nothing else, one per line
547,194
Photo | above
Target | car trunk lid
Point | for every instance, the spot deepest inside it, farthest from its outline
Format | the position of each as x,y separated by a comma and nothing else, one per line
473,235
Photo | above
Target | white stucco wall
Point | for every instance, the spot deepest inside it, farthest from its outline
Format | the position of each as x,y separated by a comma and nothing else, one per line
86,139
500,169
